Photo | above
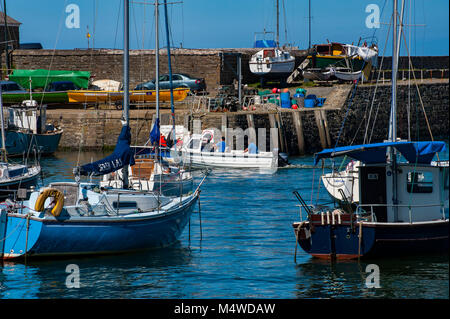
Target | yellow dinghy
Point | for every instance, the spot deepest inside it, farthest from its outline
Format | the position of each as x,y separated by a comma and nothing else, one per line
143,96
136,96
88,96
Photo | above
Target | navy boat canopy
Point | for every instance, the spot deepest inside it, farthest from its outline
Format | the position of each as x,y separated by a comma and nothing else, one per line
155,133
122,156
414,152
265,44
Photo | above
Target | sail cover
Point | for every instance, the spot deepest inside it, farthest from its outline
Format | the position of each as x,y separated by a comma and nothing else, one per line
414,152
155,133
41,78
265,44
365,53
122,156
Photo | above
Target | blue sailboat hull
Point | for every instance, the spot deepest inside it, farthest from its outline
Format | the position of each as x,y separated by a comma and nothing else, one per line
18,143
35,237
377,239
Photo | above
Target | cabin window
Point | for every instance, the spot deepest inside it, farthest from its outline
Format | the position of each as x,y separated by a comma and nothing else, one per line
194,144
125,204
419,182
269,53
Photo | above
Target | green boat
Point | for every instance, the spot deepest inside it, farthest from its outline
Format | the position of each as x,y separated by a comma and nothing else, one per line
336,55
41,78
40,97
39,82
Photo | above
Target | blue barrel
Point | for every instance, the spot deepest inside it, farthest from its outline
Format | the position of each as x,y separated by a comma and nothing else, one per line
285,100
310,103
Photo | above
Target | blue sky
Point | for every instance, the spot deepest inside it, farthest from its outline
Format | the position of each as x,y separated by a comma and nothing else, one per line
228,23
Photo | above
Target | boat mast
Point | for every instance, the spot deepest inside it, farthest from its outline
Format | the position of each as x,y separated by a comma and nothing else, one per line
393,115
170,70
3,149
309,19
157,70
126,79
278,23
6,37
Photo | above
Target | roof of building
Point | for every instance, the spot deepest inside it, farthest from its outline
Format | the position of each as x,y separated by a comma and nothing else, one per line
10,21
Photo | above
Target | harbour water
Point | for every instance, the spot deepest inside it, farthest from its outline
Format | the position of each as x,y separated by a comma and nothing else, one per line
240,245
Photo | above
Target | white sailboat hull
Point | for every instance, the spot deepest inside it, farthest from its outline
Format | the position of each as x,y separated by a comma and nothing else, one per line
278,63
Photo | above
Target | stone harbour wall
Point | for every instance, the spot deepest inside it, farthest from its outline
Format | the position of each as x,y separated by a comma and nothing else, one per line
303,131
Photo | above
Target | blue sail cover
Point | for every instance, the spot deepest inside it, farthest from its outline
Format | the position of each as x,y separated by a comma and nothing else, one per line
414,152
265,44
122,156
155,133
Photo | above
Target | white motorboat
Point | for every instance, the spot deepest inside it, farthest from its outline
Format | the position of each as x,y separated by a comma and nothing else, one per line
200,151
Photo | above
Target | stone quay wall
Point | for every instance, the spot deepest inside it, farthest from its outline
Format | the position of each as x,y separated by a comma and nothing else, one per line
303,131
217,66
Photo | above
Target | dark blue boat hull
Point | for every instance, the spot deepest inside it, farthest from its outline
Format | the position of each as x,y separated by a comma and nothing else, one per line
18,143
377,239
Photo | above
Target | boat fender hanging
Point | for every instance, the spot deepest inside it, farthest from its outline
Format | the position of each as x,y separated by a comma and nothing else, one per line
58,198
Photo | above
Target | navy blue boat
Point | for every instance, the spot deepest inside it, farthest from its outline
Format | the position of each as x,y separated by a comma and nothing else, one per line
19,142
28,131
416,222
399,197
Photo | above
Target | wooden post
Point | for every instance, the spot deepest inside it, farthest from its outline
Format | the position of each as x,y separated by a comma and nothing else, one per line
279,125
320,127
297,119
187,122
250,121
224,125
325,124
273,126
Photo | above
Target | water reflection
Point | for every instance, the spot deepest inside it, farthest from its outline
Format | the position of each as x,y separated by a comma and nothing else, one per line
136,275
246,250
424,276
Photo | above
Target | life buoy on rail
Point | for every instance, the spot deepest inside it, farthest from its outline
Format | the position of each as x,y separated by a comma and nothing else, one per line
58,199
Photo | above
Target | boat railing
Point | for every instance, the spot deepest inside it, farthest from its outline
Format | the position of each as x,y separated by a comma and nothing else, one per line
231,153
360,210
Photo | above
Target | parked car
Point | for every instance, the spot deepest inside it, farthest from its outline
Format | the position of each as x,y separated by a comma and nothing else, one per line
30,46
179,80
11,87
61,86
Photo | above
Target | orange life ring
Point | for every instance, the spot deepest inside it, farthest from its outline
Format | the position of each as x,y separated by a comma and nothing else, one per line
58,197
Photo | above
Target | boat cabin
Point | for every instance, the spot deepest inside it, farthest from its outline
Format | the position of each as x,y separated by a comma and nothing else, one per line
29,117
420,189
333,48
415,192
12,171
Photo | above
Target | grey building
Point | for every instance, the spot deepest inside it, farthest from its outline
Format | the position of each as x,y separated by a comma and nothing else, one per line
13,32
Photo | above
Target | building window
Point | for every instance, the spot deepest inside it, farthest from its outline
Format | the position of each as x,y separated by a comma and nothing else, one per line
419,182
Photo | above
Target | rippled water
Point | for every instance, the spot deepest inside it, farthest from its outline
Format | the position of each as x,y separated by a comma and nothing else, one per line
241,246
